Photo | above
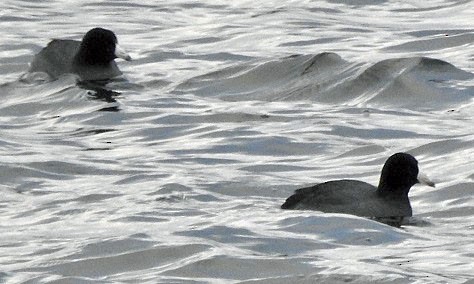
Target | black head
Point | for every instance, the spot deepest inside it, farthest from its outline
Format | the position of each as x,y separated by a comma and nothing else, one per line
97,47
399,174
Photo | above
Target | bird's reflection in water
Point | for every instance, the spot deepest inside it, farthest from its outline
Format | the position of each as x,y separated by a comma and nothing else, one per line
97,90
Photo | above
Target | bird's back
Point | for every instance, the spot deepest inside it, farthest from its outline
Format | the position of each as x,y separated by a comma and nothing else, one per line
56,58
349,197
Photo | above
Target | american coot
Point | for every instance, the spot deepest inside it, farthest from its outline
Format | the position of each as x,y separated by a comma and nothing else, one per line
387,203
91,59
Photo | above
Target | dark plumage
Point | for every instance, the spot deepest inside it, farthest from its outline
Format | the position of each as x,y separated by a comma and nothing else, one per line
387,203
91,59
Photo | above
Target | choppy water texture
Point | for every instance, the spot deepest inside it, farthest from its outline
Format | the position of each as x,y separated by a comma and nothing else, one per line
177,174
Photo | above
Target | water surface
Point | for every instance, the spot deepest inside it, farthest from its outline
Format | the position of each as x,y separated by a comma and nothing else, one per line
176,174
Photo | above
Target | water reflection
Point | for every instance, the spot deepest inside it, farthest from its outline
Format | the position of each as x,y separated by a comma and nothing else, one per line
98,90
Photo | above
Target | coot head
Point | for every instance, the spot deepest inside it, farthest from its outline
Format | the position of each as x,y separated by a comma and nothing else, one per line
399,173
99,47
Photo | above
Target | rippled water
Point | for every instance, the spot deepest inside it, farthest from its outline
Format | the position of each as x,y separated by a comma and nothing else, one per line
177,174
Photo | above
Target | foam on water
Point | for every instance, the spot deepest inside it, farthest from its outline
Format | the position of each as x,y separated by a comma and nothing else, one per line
176,174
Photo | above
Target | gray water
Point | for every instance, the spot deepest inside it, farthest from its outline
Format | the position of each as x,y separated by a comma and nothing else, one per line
176,174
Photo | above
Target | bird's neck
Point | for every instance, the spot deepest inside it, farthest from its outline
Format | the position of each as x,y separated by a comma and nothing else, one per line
393,193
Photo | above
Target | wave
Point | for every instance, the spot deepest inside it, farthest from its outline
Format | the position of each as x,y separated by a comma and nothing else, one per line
327,78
